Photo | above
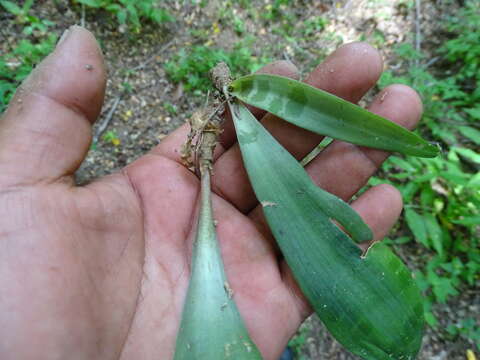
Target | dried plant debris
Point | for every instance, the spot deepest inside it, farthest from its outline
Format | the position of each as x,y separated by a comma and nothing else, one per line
207,120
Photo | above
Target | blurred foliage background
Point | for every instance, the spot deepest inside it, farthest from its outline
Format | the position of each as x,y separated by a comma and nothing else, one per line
158,54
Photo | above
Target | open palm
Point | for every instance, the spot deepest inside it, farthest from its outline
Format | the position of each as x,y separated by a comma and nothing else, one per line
101,271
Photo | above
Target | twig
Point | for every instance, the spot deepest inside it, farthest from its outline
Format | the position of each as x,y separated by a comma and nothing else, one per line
107,106
431,61
82,20
104,124
418,35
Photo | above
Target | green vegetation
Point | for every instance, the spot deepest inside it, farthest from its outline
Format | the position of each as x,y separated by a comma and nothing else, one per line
191,65
298,342
170,108
31,24
442,195
37,39
314,25
111,137
35,42
467,328
131,12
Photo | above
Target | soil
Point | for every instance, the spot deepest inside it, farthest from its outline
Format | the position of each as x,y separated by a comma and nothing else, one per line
141,120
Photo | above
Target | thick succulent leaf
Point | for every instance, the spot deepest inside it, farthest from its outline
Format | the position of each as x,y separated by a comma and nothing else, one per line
211,326
326,114
369,302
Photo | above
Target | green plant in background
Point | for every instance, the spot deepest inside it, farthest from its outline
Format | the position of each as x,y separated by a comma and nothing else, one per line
36,43
228,17
314,25
21,12
111,137
238,25
191,66
170,108
298,341
31,23
464,51
442,195
278,18
442,201
468,328
277,11
132,12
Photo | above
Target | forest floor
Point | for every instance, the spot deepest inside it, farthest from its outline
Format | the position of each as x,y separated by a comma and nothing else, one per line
143,104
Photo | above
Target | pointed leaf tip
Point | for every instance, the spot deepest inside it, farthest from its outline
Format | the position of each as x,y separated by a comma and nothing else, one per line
327,114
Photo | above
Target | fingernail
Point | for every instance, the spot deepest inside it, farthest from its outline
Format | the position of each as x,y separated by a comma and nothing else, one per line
63,37
66,34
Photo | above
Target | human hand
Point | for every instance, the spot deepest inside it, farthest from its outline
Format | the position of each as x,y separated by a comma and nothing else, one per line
101,271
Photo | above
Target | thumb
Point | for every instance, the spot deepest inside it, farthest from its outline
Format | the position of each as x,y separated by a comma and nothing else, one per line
46,131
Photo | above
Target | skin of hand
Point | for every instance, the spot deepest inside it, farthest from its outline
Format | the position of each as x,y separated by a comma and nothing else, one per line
101,271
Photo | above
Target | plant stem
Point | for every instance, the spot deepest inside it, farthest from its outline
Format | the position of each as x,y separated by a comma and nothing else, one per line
211,326
206,225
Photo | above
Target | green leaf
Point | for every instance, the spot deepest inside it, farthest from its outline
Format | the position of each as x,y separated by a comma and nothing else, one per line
474,180
11,7
456,177
471,133
122,16
326,114
429,316
468,221
403,164
402,240
211,326
468,154
474,113
27,5
91,3
369,303
431,319
427,196
434,232
441,286
114,8
421,281
133,15
417,225
409,190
